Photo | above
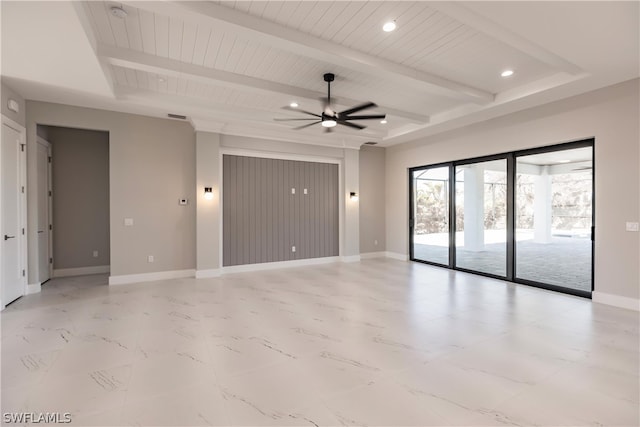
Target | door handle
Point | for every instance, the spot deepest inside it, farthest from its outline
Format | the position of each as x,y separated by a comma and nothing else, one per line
9,237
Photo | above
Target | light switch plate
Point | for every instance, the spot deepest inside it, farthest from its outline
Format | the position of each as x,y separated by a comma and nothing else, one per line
633,226
128,222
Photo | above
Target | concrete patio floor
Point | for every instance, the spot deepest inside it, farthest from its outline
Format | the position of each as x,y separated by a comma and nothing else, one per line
566,261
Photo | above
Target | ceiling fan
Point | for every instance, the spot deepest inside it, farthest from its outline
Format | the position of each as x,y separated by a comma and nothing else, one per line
330,118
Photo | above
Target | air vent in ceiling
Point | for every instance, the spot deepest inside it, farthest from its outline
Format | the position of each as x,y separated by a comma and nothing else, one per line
370,143
176,116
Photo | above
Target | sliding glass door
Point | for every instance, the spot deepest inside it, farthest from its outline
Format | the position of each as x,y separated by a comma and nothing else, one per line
554,216
481,217
430,216
525,216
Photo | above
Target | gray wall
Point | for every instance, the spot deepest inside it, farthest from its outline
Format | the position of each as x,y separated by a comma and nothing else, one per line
151,166
80,172
8,93
611,115
262,219
349,165
43,132
208,215
372,199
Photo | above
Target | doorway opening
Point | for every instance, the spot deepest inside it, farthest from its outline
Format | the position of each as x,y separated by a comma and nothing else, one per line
73,202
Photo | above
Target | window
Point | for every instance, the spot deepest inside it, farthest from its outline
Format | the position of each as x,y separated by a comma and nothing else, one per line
524,216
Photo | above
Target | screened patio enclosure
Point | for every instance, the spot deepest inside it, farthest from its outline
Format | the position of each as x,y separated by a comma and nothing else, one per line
524,216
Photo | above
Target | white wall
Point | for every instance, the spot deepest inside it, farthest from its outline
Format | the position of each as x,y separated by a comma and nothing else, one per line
611,115
151,166
372,199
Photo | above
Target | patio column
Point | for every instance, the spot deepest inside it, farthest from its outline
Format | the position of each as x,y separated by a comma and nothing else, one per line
474,208
542,207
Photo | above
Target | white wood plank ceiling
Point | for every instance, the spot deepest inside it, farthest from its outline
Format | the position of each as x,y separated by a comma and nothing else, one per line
232,65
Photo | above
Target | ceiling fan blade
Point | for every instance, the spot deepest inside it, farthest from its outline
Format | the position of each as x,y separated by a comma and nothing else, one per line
358,108
351,125
301,111
369,117
307,125
288,120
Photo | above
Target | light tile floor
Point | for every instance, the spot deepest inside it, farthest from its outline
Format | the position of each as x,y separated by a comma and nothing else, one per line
379,342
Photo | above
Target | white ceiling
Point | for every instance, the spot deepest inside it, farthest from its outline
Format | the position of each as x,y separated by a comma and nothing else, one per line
230,66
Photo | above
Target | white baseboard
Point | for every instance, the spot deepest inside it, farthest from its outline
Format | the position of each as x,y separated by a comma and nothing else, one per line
369,255
81,271
277,265
616,300
395,255
33,288
205,274
350,258
150,277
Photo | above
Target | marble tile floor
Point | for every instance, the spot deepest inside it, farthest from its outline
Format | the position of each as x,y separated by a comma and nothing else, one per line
375,343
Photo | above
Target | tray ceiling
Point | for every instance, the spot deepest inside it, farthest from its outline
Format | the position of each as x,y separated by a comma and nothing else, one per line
230,66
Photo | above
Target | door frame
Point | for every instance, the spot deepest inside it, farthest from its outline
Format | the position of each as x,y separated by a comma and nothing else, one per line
511,158
49,230
22,217
509,219
584,143
451,193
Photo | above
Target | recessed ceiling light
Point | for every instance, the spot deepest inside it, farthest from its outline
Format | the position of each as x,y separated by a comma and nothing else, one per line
118,12
293,104
384,122
389,26
564,161
507,73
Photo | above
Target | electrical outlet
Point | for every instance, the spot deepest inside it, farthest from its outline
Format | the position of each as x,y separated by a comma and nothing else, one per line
95,254
633,226
150,258
293,191
128,222
375,242
293,248
305,191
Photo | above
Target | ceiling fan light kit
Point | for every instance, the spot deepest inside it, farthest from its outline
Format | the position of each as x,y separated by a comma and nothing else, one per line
329,118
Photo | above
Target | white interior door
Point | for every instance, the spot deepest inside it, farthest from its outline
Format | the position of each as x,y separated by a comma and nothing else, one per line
44,153
11,237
